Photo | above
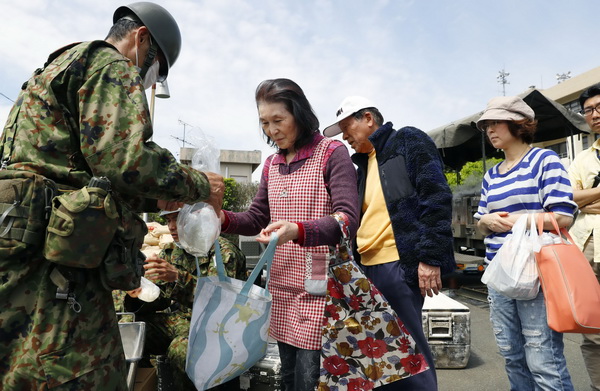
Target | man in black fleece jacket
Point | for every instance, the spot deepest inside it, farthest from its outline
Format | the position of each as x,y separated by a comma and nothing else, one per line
404,241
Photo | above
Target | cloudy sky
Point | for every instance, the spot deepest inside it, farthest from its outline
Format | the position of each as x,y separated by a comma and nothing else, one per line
423,62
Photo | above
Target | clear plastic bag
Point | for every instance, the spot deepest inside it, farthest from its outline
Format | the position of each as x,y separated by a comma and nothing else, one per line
150,291
513,271
198,226
207,156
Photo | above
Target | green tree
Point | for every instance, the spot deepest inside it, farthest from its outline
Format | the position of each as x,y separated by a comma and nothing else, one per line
237,198
470,175
245,193
230,196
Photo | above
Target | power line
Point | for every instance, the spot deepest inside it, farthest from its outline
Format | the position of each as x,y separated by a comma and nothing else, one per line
7,97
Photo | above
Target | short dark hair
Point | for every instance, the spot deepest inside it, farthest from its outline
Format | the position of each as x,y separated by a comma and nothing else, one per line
523,129
589,93
123,26
291,95
374,112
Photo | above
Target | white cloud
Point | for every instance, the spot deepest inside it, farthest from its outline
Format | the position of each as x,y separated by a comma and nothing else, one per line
424,63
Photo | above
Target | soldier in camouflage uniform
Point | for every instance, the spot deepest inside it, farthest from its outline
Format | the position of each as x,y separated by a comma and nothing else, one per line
86,114
168,317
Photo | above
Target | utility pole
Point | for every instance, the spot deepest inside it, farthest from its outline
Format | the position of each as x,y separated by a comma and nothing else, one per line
502,75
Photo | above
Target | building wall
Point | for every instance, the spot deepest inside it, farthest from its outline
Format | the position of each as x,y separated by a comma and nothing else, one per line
239,171
570,89
567,93
238,165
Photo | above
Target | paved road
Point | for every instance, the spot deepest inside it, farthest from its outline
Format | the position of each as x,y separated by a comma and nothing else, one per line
485,370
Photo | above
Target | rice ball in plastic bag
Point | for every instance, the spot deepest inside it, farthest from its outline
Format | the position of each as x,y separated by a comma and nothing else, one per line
198,226
150,291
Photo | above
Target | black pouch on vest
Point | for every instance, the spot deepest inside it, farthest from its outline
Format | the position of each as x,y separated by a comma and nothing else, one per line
25,203
122,267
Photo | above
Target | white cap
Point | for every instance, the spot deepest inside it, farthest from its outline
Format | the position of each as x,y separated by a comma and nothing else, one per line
349,106
168,212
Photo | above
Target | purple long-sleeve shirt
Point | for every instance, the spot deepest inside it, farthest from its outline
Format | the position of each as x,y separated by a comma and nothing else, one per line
340,179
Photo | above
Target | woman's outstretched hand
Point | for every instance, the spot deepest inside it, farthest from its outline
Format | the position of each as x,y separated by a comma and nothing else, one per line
285,230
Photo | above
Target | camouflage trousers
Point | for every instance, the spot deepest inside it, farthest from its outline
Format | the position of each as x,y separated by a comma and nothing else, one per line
47,345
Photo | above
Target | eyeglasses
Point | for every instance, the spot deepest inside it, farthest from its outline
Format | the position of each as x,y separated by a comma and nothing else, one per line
487,124
587,111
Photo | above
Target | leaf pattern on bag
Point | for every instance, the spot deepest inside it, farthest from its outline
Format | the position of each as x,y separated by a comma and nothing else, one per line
365,344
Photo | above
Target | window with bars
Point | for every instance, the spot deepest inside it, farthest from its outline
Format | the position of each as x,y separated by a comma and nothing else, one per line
559,148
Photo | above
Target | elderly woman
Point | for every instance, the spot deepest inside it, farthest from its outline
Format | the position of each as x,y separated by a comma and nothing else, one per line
302,184
529,180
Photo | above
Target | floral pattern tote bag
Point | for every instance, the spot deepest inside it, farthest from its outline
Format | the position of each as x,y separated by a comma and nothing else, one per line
365,344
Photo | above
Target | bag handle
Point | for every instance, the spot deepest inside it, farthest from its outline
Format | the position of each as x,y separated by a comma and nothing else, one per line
345,245
267,256
562,232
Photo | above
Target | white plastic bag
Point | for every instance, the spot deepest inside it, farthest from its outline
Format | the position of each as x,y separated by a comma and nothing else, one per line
198,226
150,291
513,271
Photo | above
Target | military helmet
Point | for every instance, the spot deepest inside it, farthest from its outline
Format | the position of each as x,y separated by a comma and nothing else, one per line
162,27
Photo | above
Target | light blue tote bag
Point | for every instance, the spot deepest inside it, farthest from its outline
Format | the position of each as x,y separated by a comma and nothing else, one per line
230,324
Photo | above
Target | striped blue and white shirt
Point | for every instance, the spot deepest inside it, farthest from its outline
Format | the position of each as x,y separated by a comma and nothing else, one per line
538,183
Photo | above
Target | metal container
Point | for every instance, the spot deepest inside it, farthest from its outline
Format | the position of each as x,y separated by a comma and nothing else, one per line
265,375
447,327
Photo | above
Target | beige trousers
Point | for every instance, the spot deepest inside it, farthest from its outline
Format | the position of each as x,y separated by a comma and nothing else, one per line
590,347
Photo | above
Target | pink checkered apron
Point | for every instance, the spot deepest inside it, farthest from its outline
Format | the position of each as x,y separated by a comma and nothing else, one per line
296,315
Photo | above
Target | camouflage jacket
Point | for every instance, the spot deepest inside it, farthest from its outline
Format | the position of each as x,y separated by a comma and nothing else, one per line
86,113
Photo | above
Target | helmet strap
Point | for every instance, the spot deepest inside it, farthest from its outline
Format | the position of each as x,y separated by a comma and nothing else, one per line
150,56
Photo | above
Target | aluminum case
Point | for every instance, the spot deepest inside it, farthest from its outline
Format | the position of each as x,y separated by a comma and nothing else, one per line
447,327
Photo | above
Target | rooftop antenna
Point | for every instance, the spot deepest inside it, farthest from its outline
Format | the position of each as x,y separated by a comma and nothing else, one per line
183,140
502,79
560,77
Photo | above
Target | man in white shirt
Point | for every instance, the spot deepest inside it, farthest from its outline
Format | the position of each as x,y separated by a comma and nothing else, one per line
584,174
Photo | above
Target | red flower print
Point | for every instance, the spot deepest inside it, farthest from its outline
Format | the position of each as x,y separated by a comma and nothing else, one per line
402,326
336,365
372,348
331,312
359,385
355,302
404,343
413,364
335,289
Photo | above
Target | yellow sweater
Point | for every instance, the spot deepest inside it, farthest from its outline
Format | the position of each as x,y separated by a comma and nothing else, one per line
375,238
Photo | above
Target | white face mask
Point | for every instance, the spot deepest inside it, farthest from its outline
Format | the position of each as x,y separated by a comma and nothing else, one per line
151,76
